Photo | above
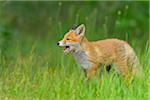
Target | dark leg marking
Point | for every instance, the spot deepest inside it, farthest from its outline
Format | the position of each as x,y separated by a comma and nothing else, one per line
108,67
85,72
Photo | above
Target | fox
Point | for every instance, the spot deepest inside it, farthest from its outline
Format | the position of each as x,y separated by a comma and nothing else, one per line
91,55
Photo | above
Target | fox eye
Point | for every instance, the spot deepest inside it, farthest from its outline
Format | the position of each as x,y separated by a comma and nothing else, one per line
68,39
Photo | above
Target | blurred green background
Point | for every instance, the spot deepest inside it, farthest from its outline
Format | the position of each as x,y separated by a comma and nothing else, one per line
23,24
103,19
45,22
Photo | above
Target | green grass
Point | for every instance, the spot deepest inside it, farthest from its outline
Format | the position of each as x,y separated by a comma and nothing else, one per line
38,69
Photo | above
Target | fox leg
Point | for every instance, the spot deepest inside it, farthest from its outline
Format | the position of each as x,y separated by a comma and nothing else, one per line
91,72
108,67
122,67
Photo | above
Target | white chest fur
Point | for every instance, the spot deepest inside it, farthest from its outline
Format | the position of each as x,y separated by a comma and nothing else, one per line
82,59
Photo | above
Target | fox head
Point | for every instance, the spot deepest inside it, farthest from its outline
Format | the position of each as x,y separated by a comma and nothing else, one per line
72,39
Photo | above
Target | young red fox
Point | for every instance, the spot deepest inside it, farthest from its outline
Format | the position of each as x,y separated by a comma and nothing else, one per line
89,55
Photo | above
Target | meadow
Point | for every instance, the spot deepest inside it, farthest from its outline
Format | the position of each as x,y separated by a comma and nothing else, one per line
33,67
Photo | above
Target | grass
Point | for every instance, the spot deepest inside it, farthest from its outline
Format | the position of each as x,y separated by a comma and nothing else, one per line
39,70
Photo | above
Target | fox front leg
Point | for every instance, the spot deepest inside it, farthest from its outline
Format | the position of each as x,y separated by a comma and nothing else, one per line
91,72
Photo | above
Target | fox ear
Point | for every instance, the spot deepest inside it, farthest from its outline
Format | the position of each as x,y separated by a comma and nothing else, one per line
80,30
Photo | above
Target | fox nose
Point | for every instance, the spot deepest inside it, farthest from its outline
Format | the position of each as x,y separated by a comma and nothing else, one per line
58,43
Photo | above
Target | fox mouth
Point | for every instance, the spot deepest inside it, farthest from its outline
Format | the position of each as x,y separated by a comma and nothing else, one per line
67,49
